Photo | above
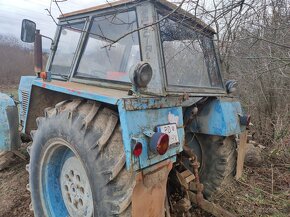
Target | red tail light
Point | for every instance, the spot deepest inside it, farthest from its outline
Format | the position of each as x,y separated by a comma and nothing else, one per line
137,150
159,143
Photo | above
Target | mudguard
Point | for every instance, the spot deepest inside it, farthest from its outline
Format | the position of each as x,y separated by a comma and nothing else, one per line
219,117
9,135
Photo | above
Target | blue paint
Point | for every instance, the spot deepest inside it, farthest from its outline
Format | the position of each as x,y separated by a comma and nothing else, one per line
134,123
24,91
5,128
174,112
218,117
27,82
80,93
51,182
136,116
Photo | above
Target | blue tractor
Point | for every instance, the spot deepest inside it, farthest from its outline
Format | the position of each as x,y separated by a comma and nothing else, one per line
130,111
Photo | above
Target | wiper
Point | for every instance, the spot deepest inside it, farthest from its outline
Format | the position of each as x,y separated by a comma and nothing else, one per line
61,75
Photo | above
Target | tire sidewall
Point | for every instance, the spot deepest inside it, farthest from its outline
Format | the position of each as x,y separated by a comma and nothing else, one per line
58,127
216,168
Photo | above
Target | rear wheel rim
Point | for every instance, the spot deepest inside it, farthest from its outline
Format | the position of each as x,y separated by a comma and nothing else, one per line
65,187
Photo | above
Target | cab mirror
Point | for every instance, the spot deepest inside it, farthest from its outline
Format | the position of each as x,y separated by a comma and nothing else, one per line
28,31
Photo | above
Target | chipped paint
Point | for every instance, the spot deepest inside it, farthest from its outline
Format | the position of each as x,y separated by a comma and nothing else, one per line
218,117
135,123
172,118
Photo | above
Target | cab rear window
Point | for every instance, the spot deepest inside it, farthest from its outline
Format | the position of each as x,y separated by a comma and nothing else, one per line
189,56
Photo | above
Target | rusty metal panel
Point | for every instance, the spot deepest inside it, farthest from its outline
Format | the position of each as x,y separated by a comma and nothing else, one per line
151,103
101,94
136,123
148,199
97,8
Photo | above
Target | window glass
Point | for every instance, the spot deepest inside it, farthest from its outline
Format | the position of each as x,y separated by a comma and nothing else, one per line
103,57
189,56
66,48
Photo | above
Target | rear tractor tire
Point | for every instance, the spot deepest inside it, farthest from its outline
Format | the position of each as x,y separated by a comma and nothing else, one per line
217,156
77,163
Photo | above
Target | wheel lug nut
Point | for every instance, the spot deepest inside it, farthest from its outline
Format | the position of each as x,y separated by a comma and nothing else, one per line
82,189
76,204
81,202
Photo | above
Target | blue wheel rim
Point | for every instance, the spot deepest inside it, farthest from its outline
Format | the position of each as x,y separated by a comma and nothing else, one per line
53,198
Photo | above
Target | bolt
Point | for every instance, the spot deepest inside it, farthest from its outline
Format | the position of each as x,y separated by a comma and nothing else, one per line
76,204
81,202
82,190
69,198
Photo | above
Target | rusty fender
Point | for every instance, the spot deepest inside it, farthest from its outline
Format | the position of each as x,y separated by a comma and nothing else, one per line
149,194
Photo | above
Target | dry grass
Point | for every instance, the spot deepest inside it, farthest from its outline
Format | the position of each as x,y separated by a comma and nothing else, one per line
262,191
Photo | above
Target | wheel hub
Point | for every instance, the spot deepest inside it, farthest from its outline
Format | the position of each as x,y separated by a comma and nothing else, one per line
75,188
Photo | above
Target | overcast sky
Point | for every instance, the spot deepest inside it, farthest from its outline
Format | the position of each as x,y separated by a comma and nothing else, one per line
13,11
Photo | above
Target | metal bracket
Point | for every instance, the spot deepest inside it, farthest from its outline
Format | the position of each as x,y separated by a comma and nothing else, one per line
148,133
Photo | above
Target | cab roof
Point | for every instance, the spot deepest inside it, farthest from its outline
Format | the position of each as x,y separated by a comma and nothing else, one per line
163,3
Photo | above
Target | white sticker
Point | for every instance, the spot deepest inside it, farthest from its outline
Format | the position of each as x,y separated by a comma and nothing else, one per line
173,119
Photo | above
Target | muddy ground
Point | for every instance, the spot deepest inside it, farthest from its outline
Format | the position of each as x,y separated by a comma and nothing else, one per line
263,190
14,198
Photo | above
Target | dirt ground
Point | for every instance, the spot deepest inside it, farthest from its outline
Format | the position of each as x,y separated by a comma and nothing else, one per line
14,198
262,191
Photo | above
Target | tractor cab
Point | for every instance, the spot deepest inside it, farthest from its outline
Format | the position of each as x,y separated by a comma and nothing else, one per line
105,45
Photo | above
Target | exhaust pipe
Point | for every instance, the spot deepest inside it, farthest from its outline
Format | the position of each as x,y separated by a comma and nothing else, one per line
37,53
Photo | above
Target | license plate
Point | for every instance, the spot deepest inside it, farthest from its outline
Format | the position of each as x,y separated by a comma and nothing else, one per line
171,130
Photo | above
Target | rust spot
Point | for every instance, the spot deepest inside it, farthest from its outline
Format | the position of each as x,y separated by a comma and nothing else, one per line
74,91
79,88
150,191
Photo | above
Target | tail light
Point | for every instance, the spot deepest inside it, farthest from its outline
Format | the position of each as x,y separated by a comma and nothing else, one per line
159,143
137,150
